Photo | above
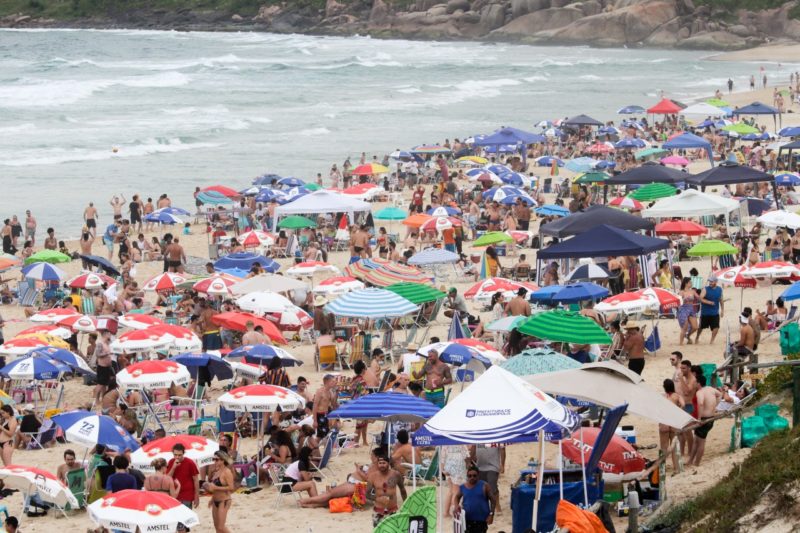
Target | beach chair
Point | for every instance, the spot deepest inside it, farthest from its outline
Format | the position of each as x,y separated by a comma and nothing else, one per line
326,353
522,273
396,523
281,487
422,503
327,452
76,481
28,295
426,472
45,435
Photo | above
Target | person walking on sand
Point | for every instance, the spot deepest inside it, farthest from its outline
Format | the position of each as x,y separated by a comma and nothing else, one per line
90,218
30,227
712,308
478,501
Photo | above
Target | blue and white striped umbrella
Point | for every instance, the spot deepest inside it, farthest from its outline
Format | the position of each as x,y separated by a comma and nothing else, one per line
266,179
63,356
498,407
547,160
433,256
43,272
90,429
455,354
401,155
34,368
608,130
630,142
291,182
387,407
263,354
507,195
517,179
293,194
372,304
479,174
162,217
178,211
267,195
631,110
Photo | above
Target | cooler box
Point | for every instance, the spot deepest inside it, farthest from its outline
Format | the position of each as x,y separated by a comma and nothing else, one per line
790,338
627,432
522,498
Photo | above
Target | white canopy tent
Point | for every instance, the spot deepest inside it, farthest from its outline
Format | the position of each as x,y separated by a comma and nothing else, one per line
691,203
703,109
780,219
319,202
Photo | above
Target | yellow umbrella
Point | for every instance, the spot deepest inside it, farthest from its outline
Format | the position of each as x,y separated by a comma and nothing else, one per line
52,340
472,159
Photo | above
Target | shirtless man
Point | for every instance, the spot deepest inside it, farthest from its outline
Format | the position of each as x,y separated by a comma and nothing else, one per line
437,375
211,337
707,400
518,305
117,203
90,217
302,389
105,372
69,465
163,201
747,337
385,481
360,242
686,385
30,227
634,346
404,452
252,337
176,257
325,401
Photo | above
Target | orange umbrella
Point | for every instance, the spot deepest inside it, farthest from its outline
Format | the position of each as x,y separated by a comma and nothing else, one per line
237,321
417,220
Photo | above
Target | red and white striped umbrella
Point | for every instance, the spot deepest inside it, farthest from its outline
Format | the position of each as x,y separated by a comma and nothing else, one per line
199,449
261,399
772,269
153,374
439,223
81,323
735,276
139,321
168,281
483,290
626,202
51,316
21,346
255,238
338,285
140,340
291,319
91,280
483,348
49,329
650,299
309,268
30,479
183,338
141,510
216,285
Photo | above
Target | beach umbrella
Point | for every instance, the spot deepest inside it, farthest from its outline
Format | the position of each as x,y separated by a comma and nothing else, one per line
433,256
771,269
174,211
573,293
564,326
600,148
43,272
262,354
401,155
153,374
626,202
180,338
787,179
48,256
267,195
34,368
364,191
221,189
482,347
483,290
139,321
552,210
140,340
507,195
5,264
416,220
267,282
338,285
650,299
296,222
216,366
47,329
790,131
21,346
162,217
91,280
263,302
591,177
416,293
581,164
370,304
492,237
619,456
369,169
141,510
309,268
237,321
711,247
266,179
79,323
261,399
506,324
455,354
244,261
547,161
680,227
780,219
102,263
653,191
443,211
468,160
166,281
631,110
675,160
741,128
630,142
291,182
733,276
292,318
217,285
538,361
390,213
387,407
383,277
197,448
255,238
482,174
60,355
90,429
792,293
439,224
52,315
30,480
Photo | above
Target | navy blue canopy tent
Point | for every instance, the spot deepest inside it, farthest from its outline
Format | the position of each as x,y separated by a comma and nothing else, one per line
790,147
757,108
591,218
689,140
729,173
581,120
650,172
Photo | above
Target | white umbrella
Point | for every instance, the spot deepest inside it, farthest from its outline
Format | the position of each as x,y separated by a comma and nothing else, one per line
199,449
261,399
153,374
263,302
268,282
140,340
141,510
780,219
30,479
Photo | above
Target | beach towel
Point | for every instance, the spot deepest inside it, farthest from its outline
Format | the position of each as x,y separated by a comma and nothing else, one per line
340,505
576,520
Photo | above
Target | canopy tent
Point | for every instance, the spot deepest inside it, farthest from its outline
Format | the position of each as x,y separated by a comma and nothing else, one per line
650,172
665,107
790,147
702,109
321,201
730,173
581,120
510,136
604,240
691,203
689,140
590,218
757,108
610,384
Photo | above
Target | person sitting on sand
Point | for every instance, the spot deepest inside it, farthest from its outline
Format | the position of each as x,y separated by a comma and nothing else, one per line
346,489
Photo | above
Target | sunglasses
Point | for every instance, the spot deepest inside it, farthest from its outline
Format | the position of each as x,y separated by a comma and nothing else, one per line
472,475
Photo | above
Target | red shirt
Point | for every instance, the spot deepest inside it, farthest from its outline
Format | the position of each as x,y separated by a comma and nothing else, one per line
184,473
418,197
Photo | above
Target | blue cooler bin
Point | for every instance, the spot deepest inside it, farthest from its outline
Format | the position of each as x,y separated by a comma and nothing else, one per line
522,498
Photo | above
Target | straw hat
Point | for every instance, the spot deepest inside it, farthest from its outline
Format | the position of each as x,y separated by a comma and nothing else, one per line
320,300
412,347
632,324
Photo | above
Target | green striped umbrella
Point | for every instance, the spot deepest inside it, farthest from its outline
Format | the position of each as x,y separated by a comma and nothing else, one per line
416,293
653,191
564,326
390,213
708,247
296,222
592,177
48,256
493,237
649,152
538,361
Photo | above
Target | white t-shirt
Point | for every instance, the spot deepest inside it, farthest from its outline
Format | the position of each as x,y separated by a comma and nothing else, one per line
293,471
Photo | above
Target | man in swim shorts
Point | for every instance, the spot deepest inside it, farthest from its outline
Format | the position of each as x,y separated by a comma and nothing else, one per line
707,400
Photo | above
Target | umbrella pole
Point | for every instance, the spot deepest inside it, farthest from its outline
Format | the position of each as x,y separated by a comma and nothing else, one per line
539,480
583,473
560,471
413,470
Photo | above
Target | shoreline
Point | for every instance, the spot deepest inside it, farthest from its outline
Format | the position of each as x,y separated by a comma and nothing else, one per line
776,53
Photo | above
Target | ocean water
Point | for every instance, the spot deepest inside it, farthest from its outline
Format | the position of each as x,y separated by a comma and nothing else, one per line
187,109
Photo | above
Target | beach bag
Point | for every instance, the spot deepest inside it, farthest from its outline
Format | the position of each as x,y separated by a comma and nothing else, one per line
340,505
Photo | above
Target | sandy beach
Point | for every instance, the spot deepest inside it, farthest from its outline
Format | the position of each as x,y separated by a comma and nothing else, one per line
772,53
255,512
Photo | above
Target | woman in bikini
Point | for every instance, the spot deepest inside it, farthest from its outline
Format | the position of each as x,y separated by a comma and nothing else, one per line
160,481
687,312
220,487
8,428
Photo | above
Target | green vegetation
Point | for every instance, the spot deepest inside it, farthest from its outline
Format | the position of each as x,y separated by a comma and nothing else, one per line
731,5
770,472
71,9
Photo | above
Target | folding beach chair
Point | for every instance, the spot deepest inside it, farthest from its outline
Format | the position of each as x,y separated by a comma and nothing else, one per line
276,477
327,452
326,353
76,481
45,435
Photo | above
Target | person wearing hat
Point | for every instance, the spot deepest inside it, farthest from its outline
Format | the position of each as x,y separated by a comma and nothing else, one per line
323,321
633,346
746,344
712,308
455,302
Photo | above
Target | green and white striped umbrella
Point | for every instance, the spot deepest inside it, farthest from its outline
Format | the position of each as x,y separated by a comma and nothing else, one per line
416,293
564,326
539,361
653,191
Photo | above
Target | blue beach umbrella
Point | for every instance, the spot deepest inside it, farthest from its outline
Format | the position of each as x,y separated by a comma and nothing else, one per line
630,142
267,195
372,304
547,161
572,293
581,164
631,110
291,182
244,261
387,407
217,366
178,211
90,429
267,179
34,368
787,178
162,218
102,263
608,130
43,272
455,354
790,131
516,179
63,356
550,210
792,293
263,354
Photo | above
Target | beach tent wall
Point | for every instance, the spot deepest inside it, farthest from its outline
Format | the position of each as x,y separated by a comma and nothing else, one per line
320,202
689,140
790,147
729,173
691,203
591,218
757,108
702,109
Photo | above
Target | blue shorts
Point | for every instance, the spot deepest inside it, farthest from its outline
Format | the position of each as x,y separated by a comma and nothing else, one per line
109,244
689,408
